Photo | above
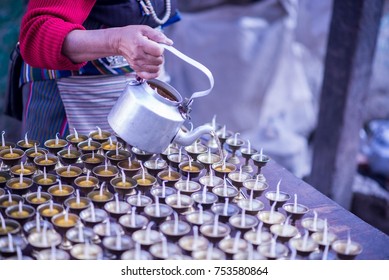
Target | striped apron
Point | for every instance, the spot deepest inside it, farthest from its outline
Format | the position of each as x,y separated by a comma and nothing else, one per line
88,100
57,101
66,102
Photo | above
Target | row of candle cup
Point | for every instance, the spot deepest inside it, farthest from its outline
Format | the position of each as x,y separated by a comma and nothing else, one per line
174,178
159,169
102,141
227,212
117,242
252,206
206,160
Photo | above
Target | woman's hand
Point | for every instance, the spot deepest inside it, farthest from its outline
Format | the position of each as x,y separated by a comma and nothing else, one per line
138,44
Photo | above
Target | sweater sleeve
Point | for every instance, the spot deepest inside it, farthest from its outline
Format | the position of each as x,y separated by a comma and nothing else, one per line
44,27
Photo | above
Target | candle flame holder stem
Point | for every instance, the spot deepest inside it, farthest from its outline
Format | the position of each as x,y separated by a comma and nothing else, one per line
260,161
246,154
234,146
62,223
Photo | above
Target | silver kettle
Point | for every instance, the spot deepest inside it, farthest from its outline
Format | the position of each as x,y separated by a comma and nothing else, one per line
150,114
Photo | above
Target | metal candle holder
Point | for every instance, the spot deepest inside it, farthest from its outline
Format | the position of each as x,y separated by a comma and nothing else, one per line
21,188
196,149
61,194
45,183
47,162
47,213
115,158
75,140
100,136
140,222
27,171
234,144
32,153
11,159
340,247
87,147
67,157
27,213
141,155
68,173
86,184
260,161
194,218
55,145
23,145
246,154
154,166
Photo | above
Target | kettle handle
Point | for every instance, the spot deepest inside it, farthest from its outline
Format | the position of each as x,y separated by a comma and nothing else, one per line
196,64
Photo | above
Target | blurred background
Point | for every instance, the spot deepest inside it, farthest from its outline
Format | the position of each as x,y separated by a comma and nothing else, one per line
268,61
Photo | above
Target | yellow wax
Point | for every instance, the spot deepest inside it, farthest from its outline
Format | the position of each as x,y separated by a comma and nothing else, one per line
44,181
109,147
75,140
69,173
46,162
226,169
77,205
168,178
2,179
86,183
60,192
53,145
25,145
6,229
189,168
123,185
20,214
132,166
64,223
24,171
89,148
105,172
9,203
144,181
36,154
118,156
29,145
38,200
99,197
98,136
13,155
93,160
49,213
19,185
69,155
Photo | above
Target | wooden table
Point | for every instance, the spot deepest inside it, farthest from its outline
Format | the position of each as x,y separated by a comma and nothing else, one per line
375,243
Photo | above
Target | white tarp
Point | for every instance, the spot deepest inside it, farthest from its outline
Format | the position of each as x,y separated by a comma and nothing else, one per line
261,87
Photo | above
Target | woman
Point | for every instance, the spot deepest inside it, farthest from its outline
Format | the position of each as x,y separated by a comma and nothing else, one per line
76,56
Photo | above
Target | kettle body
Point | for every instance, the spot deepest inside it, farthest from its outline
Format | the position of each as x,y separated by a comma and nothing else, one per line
146,115
149,114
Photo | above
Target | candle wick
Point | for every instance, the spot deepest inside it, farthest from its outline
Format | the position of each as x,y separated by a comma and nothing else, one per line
26,139
75,133
236,242
2,138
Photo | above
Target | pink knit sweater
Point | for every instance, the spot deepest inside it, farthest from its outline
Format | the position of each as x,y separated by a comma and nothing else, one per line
44,28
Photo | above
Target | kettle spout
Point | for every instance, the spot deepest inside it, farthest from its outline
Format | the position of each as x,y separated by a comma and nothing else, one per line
187,138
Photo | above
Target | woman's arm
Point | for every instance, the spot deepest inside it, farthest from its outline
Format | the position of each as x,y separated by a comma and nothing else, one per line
44,28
